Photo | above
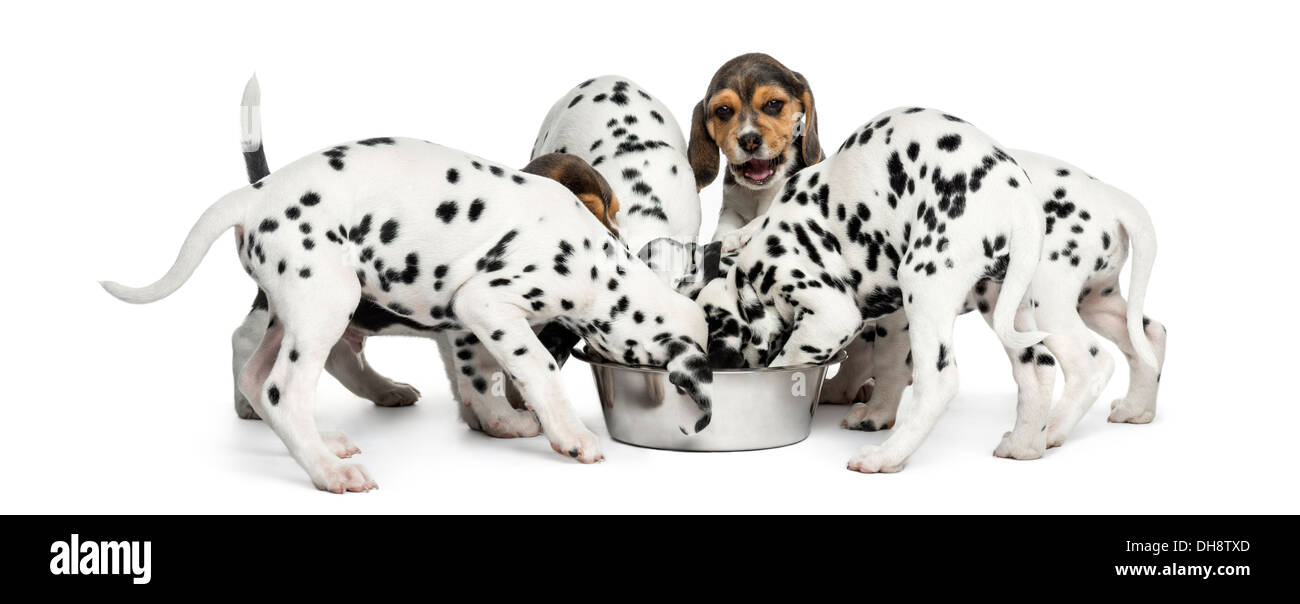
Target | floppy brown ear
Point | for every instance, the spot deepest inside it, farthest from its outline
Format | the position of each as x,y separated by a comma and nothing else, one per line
811,149
702,150
582,180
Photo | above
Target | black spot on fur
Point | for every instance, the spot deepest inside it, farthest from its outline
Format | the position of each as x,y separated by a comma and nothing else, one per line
446,211
388,232
950,142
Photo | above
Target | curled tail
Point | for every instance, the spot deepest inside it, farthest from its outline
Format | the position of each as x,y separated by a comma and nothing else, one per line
1142,237
220,216
1024,246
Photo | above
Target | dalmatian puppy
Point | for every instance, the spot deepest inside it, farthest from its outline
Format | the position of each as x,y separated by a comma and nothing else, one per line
347,362
761,116
1075,292
453,242
635,143
914,210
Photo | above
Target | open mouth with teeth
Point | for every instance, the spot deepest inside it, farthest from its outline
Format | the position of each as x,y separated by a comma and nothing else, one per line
757,171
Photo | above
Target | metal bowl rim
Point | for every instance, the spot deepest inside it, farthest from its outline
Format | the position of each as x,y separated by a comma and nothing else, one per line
836,358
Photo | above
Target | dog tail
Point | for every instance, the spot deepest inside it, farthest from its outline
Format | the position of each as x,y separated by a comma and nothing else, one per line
250,131
1142,237
1024,246
227,212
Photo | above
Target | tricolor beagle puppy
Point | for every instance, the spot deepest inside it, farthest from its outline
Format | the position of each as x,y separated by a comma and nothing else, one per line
762,117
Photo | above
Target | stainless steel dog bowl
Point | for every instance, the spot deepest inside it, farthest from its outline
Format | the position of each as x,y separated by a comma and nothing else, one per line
752,408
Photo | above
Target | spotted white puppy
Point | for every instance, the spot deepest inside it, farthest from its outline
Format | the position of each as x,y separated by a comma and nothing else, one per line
450,241
635,143
1090,226
915,209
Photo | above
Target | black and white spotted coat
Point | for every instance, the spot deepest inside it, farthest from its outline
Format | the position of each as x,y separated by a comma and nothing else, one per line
1089,229
915,208
635,143
452,242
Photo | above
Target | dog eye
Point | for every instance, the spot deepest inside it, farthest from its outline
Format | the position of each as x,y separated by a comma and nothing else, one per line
773,107
724,113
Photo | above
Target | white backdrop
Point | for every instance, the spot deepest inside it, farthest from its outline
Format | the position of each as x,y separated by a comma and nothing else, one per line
121,126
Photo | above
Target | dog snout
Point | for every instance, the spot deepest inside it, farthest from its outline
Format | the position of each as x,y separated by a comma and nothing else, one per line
750,141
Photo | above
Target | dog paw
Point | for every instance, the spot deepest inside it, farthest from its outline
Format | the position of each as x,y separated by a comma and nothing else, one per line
339,445
1122,412
1014,447
867,418
397,395
1055,436
839,391
874,459
579,444
344,478
519,424
244,409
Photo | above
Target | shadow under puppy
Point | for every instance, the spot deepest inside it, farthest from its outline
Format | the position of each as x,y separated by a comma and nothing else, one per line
762,117
478,249
916,209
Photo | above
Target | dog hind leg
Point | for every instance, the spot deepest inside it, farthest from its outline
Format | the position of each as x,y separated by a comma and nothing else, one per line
300,341
1086,367
931,305
243,343
1034,370
1106,314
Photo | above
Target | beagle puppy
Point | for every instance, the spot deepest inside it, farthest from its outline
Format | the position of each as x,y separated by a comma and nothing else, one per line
761,116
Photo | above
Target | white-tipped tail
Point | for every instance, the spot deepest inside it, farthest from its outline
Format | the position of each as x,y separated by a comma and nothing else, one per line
1024,245
250,116
1142,238
218,217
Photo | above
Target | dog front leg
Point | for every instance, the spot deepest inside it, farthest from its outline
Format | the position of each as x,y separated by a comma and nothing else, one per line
728,221
503,331
931,306
484,392
817,335
243,343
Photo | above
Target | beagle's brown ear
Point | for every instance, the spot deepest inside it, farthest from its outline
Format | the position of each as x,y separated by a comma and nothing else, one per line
702,150
582,180
811,149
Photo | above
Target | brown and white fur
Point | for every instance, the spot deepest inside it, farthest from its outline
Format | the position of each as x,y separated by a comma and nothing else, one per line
762,117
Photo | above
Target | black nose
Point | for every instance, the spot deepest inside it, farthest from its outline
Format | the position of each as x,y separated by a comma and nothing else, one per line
750,142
